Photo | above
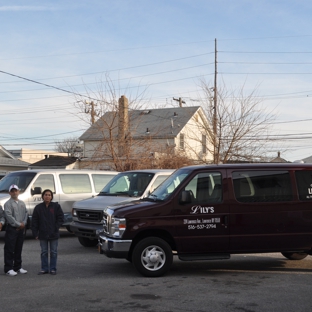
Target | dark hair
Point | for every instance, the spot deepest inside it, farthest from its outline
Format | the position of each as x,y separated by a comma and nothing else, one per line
47,190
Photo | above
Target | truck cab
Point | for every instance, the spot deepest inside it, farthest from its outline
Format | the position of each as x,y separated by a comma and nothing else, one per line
125,187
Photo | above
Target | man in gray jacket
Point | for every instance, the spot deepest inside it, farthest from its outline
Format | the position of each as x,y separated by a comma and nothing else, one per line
16,215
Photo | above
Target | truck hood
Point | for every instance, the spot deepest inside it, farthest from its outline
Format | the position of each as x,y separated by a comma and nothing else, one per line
133,207
101,202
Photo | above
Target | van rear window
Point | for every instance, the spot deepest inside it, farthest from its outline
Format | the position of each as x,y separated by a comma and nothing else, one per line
304,184
262,186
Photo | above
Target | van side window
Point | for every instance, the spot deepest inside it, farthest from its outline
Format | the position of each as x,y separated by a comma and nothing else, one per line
262,186
100,180
206,187
75,183
304,184
45,181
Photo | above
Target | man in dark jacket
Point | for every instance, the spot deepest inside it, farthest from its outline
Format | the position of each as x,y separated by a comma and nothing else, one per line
46,221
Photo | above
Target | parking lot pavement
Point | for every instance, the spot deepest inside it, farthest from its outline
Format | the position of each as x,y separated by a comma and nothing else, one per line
88,281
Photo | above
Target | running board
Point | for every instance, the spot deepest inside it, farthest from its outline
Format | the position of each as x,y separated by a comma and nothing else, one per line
214,256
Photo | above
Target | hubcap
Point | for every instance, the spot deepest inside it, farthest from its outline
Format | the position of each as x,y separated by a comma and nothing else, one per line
153,258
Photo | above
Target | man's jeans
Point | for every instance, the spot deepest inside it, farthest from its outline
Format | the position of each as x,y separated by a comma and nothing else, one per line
44,244
13,246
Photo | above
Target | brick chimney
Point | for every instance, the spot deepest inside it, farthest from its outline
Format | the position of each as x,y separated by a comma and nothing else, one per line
123,123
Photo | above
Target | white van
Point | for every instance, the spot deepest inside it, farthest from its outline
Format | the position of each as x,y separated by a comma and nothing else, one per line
67,186
126,186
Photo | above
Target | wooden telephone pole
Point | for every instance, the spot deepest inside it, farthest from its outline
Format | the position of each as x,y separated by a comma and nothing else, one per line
180,101
91,111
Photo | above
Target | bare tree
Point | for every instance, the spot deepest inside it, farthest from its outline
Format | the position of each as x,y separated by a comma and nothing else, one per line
112,141
242,128
168,159
104,98
70,146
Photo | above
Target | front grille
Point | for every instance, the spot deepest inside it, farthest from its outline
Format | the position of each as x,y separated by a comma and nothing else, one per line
90,216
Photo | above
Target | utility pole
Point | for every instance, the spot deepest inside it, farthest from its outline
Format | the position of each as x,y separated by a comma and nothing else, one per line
215,97
180,101
91,111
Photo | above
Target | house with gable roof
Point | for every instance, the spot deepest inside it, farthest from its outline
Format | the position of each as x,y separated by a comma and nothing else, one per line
9,163
56,162
130,134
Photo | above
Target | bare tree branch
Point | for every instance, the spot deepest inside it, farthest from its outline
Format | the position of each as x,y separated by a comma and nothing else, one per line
243,124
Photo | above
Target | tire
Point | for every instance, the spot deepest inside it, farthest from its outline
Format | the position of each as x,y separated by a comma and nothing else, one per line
152,257
294,255
87,242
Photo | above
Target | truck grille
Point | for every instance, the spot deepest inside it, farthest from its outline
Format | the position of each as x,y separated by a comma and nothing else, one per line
90,216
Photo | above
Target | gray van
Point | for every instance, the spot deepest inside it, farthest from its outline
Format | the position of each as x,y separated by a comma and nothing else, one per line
67,186
126,186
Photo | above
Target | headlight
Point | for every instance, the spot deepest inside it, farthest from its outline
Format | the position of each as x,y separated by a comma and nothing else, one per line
113,226
117,227
74,212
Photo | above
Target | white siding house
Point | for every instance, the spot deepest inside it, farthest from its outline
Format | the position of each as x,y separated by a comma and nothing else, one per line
148,131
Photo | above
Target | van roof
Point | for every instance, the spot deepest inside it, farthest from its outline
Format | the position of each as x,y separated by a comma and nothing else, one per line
152,170
67,170
251,166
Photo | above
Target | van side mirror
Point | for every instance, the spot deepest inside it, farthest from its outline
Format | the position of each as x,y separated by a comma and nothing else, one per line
37,190
186,197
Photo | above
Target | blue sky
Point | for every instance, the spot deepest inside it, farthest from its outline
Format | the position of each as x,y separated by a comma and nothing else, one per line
162,47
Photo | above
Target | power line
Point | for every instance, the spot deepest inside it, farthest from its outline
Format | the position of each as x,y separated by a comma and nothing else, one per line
40,137
40,83
120,69
119,79
152,47
268,52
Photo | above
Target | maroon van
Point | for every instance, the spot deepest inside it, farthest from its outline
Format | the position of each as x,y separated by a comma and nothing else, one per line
210,212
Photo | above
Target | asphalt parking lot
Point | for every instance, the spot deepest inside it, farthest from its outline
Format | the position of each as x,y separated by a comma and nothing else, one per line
88,281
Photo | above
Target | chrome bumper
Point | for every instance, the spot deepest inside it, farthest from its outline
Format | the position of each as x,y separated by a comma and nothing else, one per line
114,248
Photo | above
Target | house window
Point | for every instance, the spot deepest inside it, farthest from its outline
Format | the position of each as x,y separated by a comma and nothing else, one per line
204,144
181,141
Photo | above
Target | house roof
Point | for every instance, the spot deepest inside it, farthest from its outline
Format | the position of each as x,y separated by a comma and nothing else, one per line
55,161
160,123
307,160
7,159
4,161
279,159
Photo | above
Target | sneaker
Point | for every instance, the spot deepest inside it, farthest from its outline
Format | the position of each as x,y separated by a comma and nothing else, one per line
11,273
22,271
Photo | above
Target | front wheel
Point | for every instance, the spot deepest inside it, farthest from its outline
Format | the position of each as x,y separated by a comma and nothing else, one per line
294,255
152,257
86,242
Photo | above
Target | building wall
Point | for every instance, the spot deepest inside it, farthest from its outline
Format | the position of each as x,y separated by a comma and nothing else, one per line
31,156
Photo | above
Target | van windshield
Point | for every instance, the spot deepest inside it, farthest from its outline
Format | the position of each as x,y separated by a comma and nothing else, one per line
169,185
129,184
21,179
